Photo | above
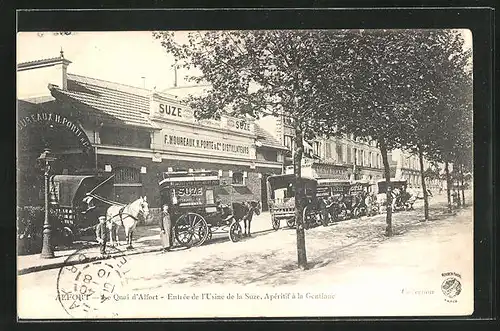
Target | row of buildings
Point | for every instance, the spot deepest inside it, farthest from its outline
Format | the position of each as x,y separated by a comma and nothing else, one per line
99,127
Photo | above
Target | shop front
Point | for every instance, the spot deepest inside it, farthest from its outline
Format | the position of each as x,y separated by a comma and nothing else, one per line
109,129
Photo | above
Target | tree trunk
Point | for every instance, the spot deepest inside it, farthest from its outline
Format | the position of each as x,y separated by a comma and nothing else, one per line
463,187
424,186
299,199
387,172
456,181
448,193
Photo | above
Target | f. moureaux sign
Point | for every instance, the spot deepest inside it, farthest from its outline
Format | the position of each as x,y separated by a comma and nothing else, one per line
54,118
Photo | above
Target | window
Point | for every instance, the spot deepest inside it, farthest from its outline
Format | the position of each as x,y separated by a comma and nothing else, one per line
127,176
288,142
127,184
237,178
269,155
316,148
328,151
349,160
338,151
370,160
125,137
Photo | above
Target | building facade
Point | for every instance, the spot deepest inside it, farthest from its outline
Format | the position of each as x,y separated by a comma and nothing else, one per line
341,158
106,128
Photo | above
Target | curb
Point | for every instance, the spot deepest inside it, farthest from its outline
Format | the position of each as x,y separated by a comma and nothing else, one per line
55,265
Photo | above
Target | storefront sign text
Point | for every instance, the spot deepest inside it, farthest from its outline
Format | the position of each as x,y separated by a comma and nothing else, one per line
170,110
57,119
206,144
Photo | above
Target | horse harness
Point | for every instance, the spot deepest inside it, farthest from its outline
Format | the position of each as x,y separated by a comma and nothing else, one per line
120,212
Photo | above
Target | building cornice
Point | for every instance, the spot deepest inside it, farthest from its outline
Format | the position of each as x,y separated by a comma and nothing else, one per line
42,63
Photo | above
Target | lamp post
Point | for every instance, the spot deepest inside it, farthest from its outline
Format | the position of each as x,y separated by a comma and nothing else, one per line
47,251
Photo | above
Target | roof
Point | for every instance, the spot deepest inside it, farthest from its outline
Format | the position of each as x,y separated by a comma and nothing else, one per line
41,62
111,102
182,92
267,139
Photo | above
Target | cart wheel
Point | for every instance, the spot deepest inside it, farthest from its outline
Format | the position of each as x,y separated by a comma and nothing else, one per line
191,230
290,222
275,222
356,212
235,231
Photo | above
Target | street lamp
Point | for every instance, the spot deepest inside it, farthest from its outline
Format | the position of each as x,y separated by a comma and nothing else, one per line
47,252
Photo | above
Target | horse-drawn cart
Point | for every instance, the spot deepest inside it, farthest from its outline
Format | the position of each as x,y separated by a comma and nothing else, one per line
195,209
281,193
334,193
67,194
401,198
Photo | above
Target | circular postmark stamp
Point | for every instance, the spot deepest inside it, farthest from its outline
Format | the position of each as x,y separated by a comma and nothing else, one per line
451,287
87,284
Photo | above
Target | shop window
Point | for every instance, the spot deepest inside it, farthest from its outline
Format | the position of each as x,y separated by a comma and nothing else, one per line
238,178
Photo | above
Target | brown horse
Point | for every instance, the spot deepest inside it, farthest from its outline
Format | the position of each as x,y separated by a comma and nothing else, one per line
245,211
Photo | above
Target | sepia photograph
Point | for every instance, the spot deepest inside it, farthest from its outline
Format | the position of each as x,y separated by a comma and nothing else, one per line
245,173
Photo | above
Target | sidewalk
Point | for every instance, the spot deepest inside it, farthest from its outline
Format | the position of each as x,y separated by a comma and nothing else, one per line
146,240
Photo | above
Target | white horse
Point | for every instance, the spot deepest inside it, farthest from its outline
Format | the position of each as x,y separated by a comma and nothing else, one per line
126,216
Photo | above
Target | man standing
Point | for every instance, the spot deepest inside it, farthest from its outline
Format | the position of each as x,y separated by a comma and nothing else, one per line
166,229
101,234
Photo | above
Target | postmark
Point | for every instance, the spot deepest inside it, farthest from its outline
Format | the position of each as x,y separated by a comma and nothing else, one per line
86,284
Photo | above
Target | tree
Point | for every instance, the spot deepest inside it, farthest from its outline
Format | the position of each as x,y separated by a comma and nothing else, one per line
376,92
438,60
260,73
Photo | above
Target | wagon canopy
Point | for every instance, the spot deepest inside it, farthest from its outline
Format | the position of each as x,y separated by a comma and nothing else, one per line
395,183
283,181
69,190
327,186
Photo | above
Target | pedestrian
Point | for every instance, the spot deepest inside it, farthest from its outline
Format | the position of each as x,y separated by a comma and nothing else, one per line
102,234
166,229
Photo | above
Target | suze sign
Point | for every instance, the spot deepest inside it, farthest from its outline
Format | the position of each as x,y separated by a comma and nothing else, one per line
239,124
169,110
242,125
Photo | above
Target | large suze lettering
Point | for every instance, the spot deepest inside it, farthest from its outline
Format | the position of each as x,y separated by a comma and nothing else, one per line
170,110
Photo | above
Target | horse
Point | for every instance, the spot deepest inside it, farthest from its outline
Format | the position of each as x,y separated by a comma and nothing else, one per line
245,211
126,216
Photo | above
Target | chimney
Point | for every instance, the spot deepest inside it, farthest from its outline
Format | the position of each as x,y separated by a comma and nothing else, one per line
64,71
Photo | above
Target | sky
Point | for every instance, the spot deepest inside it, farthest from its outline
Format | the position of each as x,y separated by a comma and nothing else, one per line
122,57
